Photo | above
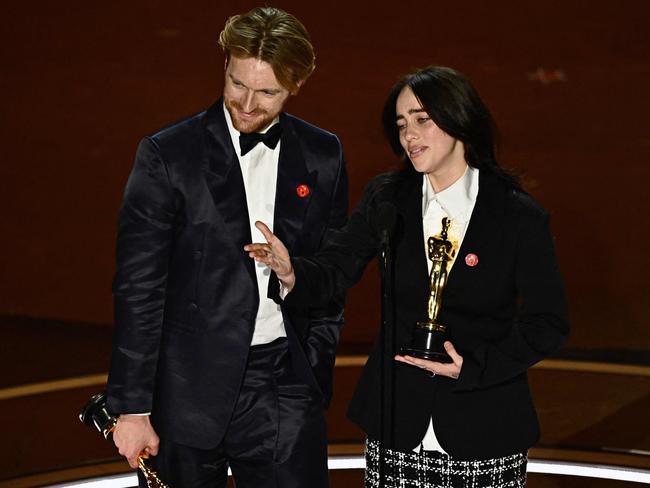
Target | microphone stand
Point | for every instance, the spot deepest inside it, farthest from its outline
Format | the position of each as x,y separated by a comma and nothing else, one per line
387,365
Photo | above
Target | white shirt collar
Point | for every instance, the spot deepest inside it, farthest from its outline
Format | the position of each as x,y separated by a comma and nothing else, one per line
234,133
457,200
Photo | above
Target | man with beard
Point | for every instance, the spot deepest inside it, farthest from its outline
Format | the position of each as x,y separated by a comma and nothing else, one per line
205,355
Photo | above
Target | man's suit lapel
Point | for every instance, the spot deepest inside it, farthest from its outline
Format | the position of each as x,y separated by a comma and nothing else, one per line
293,175
225,182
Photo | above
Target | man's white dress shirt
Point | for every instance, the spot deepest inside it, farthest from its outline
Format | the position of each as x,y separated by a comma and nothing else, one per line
259,168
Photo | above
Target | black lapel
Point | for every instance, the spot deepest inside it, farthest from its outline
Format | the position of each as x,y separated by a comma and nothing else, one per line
411,262
293,176
225,182
483,235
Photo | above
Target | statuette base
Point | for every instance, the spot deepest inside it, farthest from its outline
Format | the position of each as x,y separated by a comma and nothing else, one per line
428,343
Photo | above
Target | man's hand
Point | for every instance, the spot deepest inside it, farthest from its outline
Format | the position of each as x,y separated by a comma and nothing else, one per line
134,437
274,254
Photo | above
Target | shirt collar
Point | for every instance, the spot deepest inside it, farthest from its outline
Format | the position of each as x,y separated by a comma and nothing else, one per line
457,198
234,133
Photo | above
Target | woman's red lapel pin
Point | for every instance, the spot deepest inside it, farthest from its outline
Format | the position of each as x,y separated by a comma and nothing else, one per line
302,190
471,260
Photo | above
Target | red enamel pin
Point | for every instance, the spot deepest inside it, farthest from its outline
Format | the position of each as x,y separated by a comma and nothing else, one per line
302,190
471,259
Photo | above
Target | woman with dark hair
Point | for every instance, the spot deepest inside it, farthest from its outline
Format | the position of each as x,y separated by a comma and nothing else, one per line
468,422
455,107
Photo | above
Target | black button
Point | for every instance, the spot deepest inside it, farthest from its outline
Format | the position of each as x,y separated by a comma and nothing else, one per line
197,255
193,307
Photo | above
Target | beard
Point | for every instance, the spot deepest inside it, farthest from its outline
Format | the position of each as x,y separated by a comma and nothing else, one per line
261,119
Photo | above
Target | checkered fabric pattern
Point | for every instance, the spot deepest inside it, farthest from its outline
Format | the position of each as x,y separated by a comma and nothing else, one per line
432,469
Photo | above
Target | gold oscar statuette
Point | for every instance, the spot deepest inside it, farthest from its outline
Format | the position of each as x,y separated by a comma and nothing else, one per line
428,338
94,413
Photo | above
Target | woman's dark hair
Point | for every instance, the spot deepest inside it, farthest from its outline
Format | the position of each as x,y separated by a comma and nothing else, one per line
455,106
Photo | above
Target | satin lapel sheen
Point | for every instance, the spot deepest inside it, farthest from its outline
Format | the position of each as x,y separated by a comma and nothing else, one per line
226,184
290,207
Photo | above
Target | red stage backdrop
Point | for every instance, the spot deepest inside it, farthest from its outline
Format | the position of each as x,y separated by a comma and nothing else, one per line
567,82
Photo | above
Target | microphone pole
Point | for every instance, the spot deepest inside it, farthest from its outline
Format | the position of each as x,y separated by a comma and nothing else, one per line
387,214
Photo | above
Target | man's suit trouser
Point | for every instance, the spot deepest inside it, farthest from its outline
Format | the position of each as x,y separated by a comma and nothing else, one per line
275,439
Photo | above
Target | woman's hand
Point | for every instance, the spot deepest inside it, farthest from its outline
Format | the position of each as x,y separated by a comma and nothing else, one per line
274,254
452,370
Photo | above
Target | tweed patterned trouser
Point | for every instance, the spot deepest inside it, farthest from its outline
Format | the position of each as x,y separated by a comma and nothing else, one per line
432,469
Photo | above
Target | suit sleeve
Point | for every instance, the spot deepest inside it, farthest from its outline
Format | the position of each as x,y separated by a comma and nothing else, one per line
143,247
325,277
326,322
541,324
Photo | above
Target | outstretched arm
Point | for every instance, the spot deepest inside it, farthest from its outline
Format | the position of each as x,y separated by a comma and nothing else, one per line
321,279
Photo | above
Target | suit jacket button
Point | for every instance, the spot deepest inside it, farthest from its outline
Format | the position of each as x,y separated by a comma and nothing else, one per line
193,307
197,255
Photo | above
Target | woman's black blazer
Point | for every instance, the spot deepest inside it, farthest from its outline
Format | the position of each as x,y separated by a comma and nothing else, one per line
503,315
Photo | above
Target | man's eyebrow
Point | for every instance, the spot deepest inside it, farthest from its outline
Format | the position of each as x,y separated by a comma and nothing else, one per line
269,90
232,78
274,91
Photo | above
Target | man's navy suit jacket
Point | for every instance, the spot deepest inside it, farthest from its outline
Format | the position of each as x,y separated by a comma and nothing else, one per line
185,291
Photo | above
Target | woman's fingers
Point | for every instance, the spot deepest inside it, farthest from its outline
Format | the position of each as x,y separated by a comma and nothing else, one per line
451,370
258,250
455,357
266,232
264,252
274,254
420,363
451,350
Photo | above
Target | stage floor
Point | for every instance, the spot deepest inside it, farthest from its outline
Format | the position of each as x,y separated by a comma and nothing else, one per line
592,407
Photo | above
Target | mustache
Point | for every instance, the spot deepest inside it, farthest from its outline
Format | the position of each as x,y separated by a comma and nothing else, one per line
258,111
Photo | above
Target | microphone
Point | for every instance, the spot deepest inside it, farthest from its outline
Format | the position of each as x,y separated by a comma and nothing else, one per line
386,219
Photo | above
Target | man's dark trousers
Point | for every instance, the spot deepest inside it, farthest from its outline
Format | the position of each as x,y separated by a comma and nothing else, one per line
270,439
